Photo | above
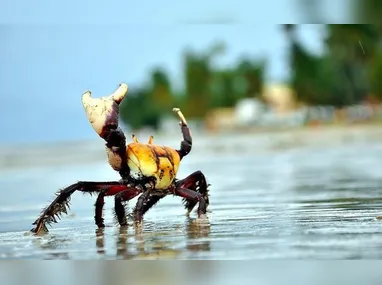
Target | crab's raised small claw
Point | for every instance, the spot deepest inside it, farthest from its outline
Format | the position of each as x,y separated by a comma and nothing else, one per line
103,112
180,115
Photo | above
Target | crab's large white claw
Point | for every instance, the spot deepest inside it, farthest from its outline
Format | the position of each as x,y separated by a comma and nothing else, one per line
103,112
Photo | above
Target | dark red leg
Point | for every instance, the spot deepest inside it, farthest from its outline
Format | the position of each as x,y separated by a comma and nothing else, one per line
99,209
196,182
193,196
61,203
149,201
119,206
140,206
186,143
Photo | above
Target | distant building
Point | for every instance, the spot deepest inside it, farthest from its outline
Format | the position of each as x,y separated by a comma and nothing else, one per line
248,111
220,119
280,97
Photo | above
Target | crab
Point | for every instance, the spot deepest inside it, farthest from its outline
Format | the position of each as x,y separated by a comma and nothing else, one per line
146,169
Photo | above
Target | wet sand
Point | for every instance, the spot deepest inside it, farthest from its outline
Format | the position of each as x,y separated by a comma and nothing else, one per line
305,202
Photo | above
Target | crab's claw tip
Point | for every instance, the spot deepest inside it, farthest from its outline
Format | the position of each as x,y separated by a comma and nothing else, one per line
86,96
180,115
103,112
117,96
120,93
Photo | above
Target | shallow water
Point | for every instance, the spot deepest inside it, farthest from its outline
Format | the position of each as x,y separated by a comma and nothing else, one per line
303,203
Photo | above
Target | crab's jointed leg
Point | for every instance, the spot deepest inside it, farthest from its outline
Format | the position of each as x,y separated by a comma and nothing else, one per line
145,203
138,210
196,182
127,193
124,196
192,195
186,144
60,204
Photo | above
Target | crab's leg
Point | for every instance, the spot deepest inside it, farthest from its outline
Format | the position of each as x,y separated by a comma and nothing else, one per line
145,204
100,202
127,193
193,196
186,144
120,198
196,182
103,115
60,204
138,210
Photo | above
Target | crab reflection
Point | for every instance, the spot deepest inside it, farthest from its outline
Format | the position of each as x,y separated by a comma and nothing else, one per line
198,236
154,244
100,241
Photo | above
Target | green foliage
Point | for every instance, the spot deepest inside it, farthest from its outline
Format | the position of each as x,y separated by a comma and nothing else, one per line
138,110
198,73
146,105
206,87
343,75
252,76
222,90
375,76
368,11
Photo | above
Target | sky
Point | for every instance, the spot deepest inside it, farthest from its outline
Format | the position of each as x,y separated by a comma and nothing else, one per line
48,58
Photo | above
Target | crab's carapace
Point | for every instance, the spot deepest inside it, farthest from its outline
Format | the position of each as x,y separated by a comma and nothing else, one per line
148,160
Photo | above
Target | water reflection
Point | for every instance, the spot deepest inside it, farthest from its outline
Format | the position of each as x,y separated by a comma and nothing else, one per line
198,236
155,243
100,241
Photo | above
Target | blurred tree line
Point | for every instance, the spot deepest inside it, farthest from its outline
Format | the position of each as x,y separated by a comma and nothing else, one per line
348,72
206,87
